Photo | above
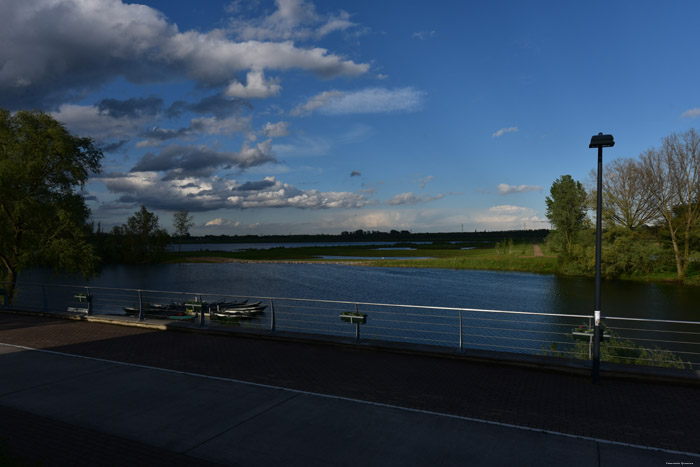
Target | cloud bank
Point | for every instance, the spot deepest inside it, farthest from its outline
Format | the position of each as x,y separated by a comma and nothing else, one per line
51,61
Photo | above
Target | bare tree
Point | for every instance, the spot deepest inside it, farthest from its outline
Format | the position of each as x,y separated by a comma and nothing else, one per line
182,221
627,199
672,174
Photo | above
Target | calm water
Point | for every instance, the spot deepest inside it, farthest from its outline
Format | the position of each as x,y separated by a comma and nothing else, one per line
424,287
430,287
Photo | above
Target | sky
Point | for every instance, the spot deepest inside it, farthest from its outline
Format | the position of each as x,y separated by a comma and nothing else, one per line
302,117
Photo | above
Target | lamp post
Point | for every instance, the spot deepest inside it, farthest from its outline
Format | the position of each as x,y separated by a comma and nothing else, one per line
599,141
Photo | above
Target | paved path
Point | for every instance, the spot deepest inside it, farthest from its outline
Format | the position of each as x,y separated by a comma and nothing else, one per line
179,398
537,251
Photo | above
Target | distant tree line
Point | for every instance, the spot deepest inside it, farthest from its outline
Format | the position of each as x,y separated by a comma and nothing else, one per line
651,214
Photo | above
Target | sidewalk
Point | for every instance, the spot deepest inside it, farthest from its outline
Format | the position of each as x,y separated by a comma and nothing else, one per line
148,397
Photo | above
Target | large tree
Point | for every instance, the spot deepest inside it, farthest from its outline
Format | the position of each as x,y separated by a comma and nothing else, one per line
566,209
182,221
144,238
672,174
42,210
627,199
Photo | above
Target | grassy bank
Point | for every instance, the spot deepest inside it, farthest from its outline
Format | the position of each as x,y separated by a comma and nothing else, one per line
498,257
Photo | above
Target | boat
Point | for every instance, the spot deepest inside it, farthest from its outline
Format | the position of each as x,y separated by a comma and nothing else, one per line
157,310
240,312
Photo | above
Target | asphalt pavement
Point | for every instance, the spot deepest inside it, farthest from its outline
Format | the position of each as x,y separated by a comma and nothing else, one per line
80,393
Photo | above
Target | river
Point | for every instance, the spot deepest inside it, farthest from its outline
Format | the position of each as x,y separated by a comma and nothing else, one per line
412,286
491,290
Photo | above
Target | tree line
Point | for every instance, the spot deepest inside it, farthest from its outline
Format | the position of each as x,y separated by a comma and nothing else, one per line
141,239
651,214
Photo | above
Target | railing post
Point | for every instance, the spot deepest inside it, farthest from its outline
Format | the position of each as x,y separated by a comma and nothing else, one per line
141,313
272,316
88,297
461,341
357,326
201,311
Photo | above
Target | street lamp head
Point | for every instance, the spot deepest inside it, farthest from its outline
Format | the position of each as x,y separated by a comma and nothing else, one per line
602,141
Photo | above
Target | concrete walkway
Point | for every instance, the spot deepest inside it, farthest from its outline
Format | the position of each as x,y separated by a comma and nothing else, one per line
112,395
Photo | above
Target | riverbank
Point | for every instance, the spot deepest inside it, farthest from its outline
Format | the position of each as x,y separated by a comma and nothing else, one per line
460,256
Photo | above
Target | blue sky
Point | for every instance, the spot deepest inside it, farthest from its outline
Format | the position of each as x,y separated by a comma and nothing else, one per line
291,116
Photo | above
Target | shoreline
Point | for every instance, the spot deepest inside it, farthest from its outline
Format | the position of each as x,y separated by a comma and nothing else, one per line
373,263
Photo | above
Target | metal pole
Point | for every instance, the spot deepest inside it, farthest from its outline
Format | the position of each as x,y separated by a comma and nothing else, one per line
357,326
598,246
201,311
272,316
461,342
88,297
141,317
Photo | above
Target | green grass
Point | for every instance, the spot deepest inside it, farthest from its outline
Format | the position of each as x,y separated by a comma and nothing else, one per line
442,255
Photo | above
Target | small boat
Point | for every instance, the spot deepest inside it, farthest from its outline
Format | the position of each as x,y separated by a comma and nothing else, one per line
157,310
245,312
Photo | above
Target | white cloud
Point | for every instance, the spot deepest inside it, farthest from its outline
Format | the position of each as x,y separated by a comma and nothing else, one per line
424,181
275,130
692,113
504,217
218,222
211,193
410,198
292,20
364,101
255,87
315,102
423,35
506,189
503,131
101,40
87,120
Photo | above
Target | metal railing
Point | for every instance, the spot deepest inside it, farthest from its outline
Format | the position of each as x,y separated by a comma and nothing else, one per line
631,340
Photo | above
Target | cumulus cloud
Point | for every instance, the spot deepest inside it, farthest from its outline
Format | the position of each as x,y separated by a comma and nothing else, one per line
503,131
292,20
506,189
410,198
219,222
256,87
182,162
198,126
505,217
132,108
217,105
692,113
205,194
103,126
104,39
364,101
275,130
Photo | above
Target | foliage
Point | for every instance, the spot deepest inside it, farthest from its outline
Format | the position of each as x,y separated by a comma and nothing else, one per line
566,209
140,240
672,173
182,222
619,350
42,167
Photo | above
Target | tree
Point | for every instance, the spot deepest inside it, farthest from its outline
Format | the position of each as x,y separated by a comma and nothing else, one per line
144,239
182,221
672,174
566,209
43,215
627,199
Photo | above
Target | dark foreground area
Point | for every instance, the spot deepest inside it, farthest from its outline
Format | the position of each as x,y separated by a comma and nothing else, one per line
311,404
